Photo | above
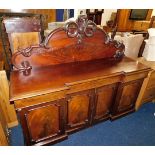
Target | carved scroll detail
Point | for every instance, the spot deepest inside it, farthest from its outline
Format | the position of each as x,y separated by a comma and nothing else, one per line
80,28
25,66
80,51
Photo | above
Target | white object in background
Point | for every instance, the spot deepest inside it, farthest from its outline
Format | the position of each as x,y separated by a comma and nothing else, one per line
132,43
54,25
151,32
149,50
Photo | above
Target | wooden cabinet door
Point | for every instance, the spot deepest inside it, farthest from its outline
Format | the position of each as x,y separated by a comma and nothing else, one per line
126,98
79,107
43,123
105,97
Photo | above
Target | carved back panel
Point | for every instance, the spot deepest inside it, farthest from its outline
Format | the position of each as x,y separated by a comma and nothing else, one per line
76,41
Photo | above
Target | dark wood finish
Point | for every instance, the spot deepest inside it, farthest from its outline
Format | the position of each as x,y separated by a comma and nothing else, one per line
43,122
104,99
76,78
79,110
84,42
95,16
48,15
5,48
126,97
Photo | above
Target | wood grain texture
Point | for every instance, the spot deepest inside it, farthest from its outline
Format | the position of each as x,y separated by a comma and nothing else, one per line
61,49
22,32
62,75
140,101
126,97
147,92
41,123
3,139
125,24
78,110
49,14
3,129
44,122
1,65
23,40
104,99
8,110
75,81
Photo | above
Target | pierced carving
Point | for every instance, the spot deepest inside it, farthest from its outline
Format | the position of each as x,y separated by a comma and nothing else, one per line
80,28
25,66
119,54
66,53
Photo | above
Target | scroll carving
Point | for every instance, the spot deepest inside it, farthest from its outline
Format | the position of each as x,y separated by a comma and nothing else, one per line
82,27
92,43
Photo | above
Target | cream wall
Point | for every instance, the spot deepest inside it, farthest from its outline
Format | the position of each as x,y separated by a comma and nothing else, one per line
153,13
106,15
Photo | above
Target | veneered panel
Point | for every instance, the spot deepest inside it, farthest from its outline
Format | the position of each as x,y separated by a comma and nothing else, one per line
43,122
78,108
105,98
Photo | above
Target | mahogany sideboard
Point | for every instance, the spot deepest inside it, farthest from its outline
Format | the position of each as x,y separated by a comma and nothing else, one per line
76,78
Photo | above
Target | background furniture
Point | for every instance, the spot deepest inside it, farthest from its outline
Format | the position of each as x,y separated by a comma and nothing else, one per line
8,116
132,43
146,36
149,49
147,93
72,81
95,15
26,32
127,25
4,40
3,123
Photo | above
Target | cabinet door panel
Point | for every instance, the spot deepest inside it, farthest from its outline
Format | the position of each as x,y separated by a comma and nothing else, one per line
129,95
78,111
43,122
105,96
126,98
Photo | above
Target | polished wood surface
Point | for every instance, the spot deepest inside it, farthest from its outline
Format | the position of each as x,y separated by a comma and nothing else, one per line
1,65
75,79
46,125
54,50
21,85
99,91
78,110
104,100
129,95
44,122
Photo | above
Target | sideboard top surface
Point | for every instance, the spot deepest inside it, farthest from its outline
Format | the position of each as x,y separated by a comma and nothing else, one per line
75,53
55,78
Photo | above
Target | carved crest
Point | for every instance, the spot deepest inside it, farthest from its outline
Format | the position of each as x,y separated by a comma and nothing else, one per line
80,40
82,27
